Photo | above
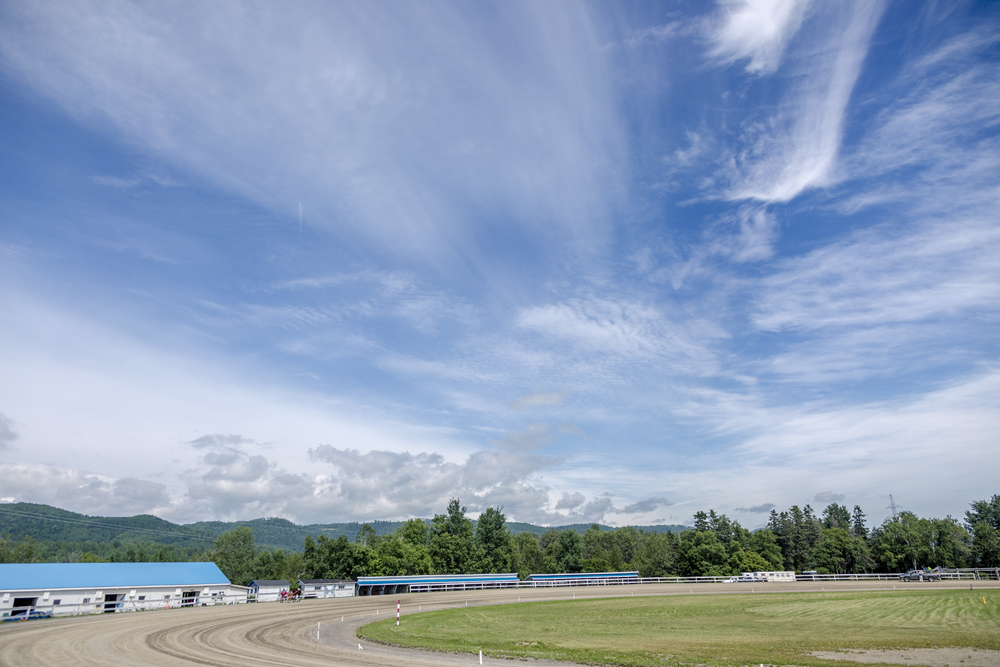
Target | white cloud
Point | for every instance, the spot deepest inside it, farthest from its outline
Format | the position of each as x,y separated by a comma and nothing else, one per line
84,492
629,331
390,124
941,442
928,148
757,30
796,148
885,276
571,501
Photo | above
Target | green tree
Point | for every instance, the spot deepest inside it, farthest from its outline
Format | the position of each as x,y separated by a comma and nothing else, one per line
858,528
836,516
764,544
24,550
901,542
984,511
366,535
699,554
627,542
797,532
529,557
598,550
658,555
835,553
235,553
493,542
415,532
335,559
741,560
453,547
950,543
568,551
986,545
397,557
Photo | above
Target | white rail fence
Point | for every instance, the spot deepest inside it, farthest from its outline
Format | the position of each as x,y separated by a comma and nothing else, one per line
42,610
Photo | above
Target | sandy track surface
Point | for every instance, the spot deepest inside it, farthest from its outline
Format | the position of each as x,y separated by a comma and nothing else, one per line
285,634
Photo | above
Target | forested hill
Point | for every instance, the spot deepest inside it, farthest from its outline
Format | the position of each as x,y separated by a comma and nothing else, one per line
50,524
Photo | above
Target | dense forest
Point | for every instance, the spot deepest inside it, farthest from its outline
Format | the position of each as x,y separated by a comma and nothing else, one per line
835,541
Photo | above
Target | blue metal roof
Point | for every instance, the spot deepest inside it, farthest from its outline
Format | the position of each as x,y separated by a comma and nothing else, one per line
585,575
435,579
50,576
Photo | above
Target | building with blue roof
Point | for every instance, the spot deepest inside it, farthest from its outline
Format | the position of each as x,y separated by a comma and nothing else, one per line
85,588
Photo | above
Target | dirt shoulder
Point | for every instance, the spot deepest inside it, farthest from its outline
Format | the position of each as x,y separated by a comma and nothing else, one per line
933,657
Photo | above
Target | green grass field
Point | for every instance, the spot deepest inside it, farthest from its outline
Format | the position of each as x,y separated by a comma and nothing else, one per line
772,628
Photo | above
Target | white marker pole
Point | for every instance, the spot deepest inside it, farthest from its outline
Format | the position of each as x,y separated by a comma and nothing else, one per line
480,657
397,613
317,630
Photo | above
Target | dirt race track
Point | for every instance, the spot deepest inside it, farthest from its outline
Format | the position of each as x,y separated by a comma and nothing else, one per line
285,634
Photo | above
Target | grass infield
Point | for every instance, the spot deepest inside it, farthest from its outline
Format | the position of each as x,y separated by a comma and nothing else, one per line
774,628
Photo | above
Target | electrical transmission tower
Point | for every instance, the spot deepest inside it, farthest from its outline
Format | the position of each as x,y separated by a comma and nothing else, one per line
893,507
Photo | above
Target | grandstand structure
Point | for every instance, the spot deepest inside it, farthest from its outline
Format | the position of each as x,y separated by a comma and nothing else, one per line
430,583
582,579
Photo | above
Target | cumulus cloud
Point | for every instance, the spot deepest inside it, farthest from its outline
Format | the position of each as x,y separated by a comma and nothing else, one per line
7,433
570,501
401,484
233,484
554,398
83,492
828,497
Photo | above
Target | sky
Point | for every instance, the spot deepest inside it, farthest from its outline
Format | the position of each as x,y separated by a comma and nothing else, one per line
613,261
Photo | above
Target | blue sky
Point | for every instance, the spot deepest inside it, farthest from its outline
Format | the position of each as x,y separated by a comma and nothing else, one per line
612,262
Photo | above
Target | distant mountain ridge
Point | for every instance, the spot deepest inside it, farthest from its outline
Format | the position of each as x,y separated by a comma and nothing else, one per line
51,524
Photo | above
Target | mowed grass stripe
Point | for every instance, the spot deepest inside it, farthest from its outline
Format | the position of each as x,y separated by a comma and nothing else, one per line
772,628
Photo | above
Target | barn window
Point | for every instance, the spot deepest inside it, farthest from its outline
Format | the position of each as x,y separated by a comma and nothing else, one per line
142,597
86,600
57,602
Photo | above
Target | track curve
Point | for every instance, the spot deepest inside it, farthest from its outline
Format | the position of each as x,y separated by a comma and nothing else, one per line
285,634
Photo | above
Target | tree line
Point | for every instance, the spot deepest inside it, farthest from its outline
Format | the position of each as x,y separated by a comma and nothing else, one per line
835,541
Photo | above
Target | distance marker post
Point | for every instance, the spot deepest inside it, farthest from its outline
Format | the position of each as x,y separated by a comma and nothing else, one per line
397,613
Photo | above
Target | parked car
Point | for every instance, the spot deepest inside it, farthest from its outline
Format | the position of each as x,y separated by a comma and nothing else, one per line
922,575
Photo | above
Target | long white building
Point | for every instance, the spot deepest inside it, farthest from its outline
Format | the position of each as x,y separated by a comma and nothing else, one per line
88,588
